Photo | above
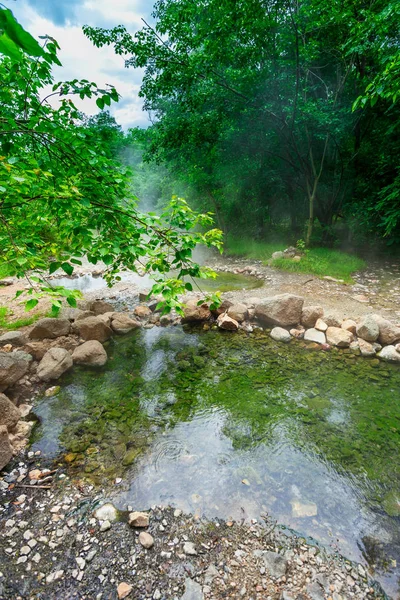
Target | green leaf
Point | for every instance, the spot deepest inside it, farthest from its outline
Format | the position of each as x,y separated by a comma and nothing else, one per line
54,266
71,301
69,269
100,103
9,48
29,304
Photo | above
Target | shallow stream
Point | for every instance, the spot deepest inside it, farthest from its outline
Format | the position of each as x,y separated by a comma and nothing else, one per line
236,425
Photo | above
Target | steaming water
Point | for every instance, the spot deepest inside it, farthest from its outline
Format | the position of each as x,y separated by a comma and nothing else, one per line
236,426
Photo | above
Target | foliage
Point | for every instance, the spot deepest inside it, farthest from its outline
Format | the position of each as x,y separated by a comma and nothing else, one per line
6,321
65,196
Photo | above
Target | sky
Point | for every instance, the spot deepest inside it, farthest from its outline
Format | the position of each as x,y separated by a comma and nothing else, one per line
63,20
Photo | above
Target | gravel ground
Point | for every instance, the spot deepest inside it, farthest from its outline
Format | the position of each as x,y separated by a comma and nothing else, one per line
53,545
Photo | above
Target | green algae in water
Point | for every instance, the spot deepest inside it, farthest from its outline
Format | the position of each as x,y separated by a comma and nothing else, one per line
185,416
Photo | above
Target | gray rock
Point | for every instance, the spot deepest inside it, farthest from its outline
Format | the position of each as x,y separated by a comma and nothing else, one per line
54,363
123,324
310,315
389,354
315,591
189,548
9,413
93,328
336,336
313,335
106,512
280,335
282,310
15,338
193,590
388,333
50,329
238,312
13,366
225,322
277,255
368,329
99,307
91,354
275,563
5,447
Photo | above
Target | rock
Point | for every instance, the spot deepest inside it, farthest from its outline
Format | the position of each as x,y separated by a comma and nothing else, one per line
366,349
277,255
123,590
52,391
9,413
146,540
13,366
6,451
91,354
123,324
321,325
166,320
389,354
50,329
303,509
15,338
275,563
93,328
298,333
84,314
138,519
54,363
105,526
313,335
282,310
238,312
189,549
225,322
310,315
388,333
193,590
106,512
99,307
106,317
391,503
336,336
142,311
349,325
368,329
144,295
315,591
333,320
280,335
223,307
193,313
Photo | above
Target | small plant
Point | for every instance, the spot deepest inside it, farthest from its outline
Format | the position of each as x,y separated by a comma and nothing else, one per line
301,246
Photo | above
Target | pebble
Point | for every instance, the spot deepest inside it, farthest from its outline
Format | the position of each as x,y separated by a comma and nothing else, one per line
123,590
146,540
105,526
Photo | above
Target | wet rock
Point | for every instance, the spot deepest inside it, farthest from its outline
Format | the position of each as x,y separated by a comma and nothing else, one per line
6,451
142,311
130,456
93,328
238,312
50,329
138,519
91,354
54,363
366,349
336,336
282,310
391,503
13,366
389,354
123,324
99,307
303,509
349,325
15,338
146,540
227,323
320,325
368,329
193,313
52,391
313,335
275,563
310,315
193,590
280,335
9,413
106,512
388,333
123,590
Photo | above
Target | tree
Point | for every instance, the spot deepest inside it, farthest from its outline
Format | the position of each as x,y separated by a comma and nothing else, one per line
63,193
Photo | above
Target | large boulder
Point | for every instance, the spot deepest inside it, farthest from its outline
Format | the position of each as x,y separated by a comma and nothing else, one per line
315,335
15,338
195,314
123,324
283,310
50,328
93,328
225,322
349,325
336,336
389,354
368,329
99,307
54,363
5,447
142,311
310,315
9,413
388,333
238,312
38,349
90,354
280,335
13,366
